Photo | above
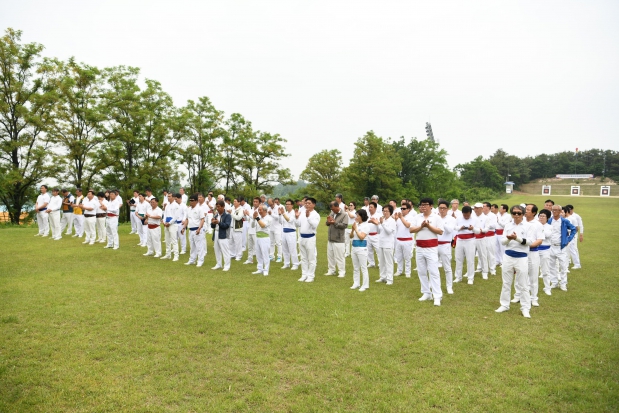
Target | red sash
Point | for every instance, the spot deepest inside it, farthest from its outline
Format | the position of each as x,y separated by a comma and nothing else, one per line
490,234
466,236
153,226
499,232
427,243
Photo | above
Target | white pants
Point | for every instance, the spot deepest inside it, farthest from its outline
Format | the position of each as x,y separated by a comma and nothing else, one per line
182,237
403,256
427,269
197,247
236,244
154,240
135,222
572,249
89,229
307,247
78,223
222,250
101,229
289,247
444,256
263,246
482,260
347,241
557,255
335,257
490,253
499,249
207,223
54,223
465,248
143,231
112,232
521,267
276,241
43,222
372,246
385,260
171,240
544,261
244,244
67,221
533,262
360,265
251,246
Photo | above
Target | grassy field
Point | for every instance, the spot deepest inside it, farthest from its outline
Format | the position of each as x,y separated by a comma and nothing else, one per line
84,329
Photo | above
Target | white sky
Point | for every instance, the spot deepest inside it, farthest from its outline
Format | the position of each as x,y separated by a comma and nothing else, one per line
525,76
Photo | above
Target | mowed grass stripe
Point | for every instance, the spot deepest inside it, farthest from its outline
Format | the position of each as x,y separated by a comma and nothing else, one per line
89,329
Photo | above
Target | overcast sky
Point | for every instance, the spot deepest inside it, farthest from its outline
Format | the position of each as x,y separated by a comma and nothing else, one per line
526,76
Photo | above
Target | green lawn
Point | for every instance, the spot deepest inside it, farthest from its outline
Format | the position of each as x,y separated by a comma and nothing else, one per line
83,329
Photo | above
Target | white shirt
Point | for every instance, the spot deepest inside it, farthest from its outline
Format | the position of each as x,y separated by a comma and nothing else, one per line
291,223
135,200
182,212
267,221
401,231
461,222
90,203
276,223
547,233
194,216
113,207
55,203
363,227
99,202
555,238
480,222
42,200
491,222
578,224
165,201
386,233
184,199
308,225
425,233
351,220
141,208
503,219
536,230
454,214
173,212
237,215
522,231
157,212
449,228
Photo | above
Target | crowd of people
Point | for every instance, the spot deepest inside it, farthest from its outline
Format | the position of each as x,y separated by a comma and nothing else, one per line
527,243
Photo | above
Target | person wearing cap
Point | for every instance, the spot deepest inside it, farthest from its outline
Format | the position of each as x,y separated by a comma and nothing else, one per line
480,239
78,213
89,205
289,237
262,220
42,216
153,219
444,243
308,225
517,239
101,218
180,218
563,231
337,221
67,212
171,215
194,223
53,211
221,224
112,210
141,208
404,240
428,228
135,221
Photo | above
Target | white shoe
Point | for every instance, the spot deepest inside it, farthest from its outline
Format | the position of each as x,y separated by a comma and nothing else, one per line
362,289
526,313
457,280
265,273
501,309
139,244
148,254
45,235
115,248
257,272
183,252
101,242
158,256
166,257
279,259
470,282
302,279
408,276
548,292
516,300
477,269
535,303
397,274
329,273
563,287
190,263
437,302
198,265
341,276
415,269
309,280
37,235
248,262
85,242
576,267
175,259
354,287
226,269
107,246
484,276
425,297
381,280
294,267
237,259
91,243
217,267
450,291
493,273
74,236
371,265
285,266
57,239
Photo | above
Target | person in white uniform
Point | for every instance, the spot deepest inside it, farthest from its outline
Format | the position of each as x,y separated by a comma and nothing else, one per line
386,236
465,245
308,224
78,213
544,249
221,225
251,231
572,250
112,211
480,240
247,208
181,234
289,237
516,238
135,221
262,221
404,239
153,219
236,241
90,205
67,212
536,233
184,197
210,210
372,238
141,209
489,240
53,210
101,218
444,243
503,218
195,223
42,216
171,216
275,210
563,232
428,227
454,212
352,215
359,251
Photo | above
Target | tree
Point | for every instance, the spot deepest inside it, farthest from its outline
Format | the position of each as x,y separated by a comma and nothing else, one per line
480,173
374,169
425,168
235,141
510,167
204,132
76,121
323,174
26,99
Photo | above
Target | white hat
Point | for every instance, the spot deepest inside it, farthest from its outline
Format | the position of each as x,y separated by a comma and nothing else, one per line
478,205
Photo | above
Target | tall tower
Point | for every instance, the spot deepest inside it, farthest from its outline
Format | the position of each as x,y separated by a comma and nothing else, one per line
429,131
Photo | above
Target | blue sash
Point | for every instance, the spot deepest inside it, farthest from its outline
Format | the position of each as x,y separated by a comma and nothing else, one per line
515,254
307,235
543,247
359,243
168,219
193,229
289,230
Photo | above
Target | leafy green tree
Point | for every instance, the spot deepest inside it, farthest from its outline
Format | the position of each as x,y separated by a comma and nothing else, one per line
26,99
76,121
480,173
236,142
374,169
323,174
510,166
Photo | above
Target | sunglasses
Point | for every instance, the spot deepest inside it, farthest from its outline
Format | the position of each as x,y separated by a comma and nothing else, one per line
404,208
516,213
